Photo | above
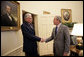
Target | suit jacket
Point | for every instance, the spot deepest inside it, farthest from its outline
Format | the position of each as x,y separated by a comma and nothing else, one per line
61,40
5,21
29,39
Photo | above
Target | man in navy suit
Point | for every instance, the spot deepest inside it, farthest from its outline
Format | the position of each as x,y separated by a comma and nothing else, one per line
29,38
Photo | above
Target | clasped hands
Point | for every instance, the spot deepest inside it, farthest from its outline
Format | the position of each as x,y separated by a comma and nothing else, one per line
43,40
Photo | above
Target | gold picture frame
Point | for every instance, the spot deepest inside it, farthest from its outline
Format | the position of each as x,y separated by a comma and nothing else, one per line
66,15
10,16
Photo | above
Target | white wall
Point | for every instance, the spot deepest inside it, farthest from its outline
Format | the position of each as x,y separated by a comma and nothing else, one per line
55,8
10,40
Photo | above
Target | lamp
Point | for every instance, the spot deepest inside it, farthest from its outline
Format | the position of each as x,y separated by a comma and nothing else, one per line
78,31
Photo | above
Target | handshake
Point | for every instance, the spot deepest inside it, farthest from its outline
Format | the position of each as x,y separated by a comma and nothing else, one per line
43,40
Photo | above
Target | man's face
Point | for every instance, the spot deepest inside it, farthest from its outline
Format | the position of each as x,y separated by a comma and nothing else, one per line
29,19
56,21
8,9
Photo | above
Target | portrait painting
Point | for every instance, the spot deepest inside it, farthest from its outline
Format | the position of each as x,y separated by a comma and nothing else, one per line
10,15
66,15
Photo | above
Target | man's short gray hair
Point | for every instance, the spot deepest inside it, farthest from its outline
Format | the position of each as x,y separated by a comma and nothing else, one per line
58,18
27,15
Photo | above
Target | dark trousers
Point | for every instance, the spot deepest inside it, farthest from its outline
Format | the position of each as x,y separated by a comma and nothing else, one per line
31,53
54,51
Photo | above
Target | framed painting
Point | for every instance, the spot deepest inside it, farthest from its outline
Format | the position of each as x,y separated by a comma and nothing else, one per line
66,15
10,15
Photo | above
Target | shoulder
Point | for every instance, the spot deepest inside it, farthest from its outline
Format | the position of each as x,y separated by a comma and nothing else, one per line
54,28
4,15
23,25
64,26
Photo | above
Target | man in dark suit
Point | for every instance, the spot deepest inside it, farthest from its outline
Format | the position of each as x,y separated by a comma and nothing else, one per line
7,19
29,38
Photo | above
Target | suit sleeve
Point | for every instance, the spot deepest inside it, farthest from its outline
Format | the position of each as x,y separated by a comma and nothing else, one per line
29,35
50,38
67,39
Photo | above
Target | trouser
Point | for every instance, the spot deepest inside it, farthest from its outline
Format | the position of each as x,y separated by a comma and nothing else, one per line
32,53
55,51
29,54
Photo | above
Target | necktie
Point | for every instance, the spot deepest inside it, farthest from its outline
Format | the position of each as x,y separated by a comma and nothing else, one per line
56,30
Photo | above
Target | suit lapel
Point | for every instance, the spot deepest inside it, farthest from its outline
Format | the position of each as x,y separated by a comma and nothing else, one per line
28,26
58,30
54,32
31,26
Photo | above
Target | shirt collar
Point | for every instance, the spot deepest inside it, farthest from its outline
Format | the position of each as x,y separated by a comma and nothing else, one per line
58,25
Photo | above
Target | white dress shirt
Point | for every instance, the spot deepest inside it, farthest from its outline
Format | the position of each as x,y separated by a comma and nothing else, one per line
58,26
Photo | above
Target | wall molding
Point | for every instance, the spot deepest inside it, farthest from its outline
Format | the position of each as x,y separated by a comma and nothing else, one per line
5,54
